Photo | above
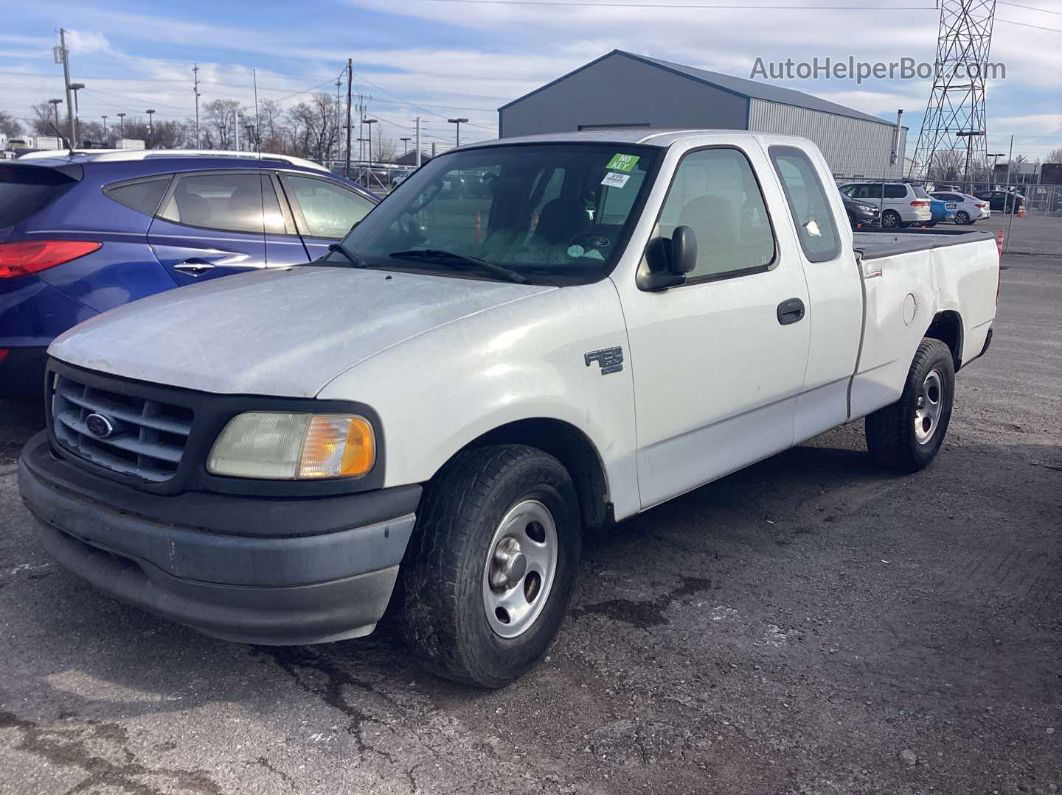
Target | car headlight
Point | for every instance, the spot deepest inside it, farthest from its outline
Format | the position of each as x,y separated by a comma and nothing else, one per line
280,446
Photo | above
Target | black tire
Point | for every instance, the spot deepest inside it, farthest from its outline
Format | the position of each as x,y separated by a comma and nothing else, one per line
930,224
892,437
962,218
443,613
890,219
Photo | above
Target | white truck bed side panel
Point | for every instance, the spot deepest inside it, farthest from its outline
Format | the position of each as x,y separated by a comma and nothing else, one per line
904,293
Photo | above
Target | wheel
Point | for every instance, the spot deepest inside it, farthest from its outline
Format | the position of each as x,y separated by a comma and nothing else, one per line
907,435
962,218
931,224
491,565
890,219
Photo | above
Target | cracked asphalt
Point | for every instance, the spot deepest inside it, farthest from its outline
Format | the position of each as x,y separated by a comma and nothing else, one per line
809,625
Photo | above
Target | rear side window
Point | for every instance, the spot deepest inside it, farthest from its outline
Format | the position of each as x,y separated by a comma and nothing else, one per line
226,200
328,210
25,190
808,205
895,191
143,195
920,192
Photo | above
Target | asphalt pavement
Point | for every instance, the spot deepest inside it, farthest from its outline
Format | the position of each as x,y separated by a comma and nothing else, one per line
809,625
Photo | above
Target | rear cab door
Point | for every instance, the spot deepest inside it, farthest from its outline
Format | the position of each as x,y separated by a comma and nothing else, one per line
835,300
323,210
216,222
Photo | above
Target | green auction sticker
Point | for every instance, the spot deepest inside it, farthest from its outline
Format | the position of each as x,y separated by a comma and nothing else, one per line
625,163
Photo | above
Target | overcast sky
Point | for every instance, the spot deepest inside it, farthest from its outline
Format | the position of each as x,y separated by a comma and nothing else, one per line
440,58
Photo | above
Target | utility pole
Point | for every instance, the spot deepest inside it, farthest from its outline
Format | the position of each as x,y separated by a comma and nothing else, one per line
121,125
195,82
418,141
63,56
458,122
236,128
350,80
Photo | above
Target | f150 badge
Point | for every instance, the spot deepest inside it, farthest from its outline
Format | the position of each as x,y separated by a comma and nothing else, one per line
610,359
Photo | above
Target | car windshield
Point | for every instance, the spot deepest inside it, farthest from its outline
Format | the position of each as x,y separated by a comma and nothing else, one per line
541,213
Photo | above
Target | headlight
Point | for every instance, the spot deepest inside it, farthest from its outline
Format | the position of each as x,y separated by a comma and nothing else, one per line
293,446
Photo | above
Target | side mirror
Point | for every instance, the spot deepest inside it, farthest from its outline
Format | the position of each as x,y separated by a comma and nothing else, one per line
683,250
668,261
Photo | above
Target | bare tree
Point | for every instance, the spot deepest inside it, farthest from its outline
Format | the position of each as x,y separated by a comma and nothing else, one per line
1054,156
314,127
44,122
218,125
9,125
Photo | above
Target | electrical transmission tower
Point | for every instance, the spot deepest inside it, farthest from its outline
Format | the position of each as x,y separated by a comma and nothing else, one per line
951,144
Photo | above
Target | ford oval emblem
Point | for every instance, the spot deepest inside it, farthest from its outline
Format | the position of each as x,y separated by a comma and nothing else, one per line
99,426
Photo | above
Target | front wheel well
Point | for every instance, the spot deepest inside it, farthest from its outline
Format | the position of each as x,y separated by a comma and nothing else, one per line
572,448
947,327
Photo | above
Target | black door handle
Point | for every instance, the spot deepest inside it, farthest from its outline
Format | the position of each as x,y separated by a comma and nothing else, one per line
790,311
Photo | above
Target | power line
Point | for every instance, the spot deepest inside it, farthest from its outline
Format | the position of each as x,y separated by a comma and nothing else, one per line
1029,8
688,6
421,108
1028,25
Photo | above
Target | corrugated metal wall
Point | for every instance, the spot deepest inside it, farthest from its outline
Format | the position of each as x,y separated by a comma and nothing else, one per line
853,147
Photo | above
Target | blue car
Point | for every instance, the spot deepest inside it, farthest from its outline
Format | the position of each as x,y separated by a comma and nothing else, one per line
84,233
942,211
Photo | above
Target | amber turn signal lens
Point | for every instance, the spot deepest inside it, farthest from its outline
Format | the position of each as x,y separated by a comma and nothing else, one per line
337,446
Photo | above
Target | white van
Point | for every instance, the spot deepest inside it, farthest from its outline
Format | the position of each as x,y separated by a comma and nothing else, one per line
901,204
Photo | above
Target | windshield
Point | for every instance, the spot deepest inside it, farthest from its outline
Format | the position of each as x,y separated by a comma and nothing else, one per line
541,213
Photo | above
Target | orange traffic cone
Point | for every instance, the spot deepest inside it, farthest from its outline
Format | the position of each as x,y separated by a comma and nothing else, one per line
1021,210
999,242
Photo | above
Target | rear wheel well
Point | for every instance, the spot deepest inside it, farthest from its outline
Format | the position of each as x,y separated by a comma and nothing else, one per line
947,327
573,449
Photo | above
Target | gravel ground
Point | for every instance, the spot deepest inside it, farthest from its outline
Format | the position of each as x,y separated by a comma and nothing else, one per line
808,625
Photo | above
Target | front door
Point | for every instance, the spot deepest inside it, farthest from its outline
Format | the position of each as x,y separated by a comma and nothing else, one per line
718,362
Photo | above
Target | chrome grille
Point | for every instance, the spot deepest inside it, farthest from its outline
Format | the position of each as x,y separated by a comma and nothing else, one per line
147,437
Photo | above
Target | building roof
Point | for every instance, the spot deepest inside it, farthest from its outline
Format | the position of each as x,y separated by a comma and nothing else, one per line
739,86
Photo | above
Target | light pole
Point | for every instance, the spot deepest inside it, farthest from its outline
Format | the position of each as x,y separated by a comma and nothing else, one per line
405,144
995,158
75,87
121,125
370,123
55,103
969,135
458,122
151,127
104,141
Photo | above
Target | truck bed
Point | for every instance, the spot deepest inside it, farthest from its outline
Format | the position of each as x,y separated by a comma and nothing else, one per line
876,244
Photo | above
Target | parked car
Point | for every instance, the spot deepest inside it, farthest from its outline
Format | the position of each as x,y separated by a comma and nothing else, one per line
82,234
265,456
861,213
941,211
1003,201
903,204
968,209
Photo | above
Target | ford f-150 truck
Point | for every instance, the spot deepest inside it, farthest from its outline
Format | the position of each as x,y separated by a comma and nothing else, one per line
529,337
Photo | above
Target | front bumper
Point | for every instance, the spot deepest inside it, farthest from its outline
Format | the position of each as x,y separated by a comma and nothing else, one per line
225,570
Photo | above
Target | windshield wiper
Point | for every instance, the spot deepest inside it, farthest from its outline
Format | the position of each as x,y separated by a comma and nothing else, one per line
352,257
452,259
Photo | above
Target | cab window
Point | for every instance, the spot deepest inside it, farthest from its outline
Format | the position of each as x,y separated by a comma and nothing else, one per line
715,194
808,205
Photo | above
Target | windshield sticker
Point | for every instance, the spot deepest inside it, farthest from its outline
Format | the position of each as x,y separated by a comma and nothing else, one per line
624,163
614,180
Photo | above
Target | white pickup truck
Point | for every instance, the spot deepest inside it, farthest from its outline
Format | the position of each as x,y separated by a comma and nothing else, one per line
527,338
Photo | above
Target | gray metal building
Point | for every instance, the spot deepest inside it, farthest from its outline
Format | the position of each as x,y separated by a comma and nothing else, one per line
622,89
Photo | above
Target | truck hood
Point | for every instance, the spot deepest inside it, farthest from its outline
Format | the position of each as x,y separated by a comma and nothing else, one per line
284,332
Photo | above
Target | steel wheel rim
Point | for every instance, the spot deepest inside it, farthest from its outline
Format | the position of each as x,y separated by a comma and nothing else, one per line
520,568
929,405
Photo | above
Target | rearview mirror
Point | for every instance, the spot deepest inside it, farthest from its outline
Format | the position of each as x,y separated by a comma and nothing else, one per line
667,261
